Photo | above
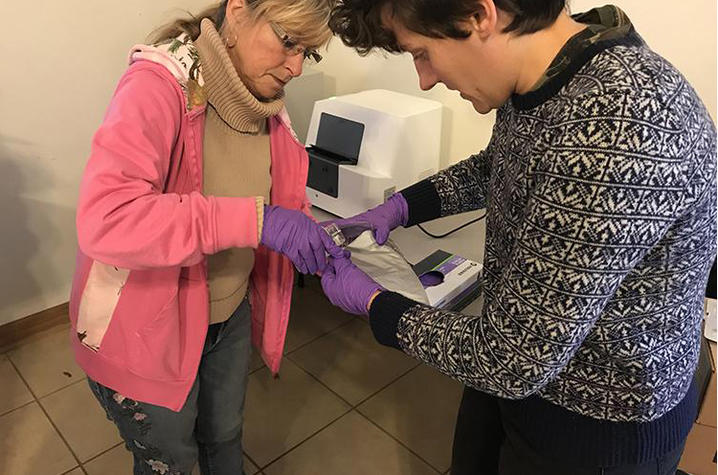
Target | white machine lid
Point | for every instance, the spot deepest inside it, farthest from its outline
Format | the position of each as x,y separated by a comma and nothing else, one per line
390,102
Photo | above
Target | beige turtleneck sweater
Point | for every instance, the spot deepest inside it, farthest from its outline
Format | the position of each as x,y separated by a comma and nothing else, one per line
236,162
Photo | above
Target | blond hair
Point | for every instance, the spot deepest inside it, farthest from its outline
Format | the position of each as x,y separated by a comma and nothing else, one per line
306,21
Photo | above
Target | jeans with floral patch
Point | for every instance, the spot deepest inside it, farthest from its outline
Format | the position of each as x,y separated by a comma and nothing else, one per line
208,428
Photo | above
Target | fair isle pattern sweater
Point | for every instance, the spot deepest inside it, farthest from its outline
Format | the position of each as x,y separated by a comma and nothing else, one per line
600,189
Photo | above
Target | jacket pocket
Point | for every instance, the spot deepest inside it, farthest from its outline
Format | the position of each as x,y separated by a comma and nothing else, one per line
157,347
144,333
98,302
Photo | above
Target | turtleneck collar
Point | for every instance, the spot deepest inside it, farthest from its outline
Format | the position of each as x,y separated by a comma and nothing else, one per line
226,92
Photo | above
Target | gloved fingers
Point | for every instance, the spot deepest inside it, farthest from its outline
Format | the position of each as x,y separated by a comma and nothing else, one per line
329,274
328,278
318,254
381,235
342,265
300,262
330,271
310,261
336,269
300,265
331,247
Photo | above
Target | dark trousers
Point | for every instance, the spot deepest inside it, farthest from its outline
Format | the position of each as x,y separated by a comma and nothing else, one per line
484,446
208,428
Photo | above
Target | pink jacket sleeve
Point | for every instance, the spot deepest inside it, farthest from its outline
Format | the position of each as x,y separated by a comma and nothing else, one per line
307,209
123,216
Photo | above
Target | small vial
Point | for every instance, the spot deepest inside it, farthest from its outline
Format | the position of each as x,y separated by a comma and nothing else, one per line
336,234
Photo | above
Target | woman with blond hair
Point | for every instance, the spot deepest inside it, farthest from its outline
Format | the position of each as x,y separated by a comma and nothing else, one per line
192,212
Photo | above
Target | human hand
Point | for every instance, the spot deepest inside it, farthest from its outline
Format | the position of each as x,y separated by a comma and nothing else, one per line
348,287
295,235
384,218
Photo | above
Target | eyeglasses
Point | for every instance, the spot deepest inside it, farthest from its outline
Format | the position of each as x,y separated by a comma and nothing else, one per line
292,46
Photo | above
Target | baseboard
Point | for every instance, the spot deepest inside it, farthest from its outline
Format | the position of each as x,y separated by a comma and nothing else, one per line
14,332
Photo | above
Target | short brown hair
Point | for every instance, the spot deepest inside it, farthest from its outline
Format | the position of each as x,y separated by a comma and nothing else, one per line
359,24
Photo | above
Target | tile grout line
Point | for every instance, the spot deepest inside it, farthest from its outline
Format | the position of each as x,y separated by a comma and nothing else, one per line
362,401
17,408
387,385
82,469
341,325
329,332
52,423
321,383
352,408
55,391
27,386
300,443
439,472
286,355
356,409
104,452
349,404
244,452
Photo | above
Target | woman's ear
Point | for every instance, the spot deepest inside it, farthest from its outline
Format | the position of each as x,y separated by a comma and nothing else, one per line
234,8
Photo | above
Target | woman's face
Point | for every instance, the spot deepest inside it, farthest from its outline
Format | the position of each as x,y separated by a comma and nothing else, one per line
262,62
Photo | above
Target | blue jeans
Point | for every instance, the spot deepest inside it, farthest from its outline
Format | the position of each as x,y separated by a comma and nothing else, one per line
208,428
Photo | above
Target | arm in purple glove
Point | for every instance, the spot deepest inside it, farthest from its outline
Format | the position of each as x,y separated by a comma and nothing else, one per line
348,287
294,234
384,218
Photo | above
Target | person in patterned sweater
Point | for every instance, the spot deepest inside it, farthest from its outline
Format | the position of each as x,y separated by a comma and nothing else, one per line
600,187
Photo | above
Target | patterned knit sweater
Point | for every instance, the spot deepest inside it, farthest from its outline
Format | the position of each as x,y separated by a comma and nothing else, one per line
600,189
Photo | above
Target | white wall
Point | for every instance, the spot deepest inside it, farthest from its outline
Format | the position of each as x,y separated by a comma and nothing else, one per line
61,61
683,33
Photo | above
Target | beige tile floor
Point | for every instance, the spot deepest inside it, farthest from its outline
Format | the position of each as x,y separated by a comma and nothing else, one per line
343,405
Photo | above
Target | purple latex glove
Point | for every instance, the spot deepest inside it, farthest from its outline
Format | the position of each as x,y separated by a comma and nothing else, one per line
384,218
295,235
348,287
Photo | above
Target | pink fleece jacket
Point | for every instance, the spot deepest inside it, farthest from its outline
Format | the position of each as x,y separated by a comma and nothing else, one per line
139,305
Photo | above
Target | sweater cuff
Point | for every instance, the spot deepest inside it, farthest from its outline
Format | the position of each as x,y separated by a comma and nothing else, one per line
384,315
423,202
260,216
